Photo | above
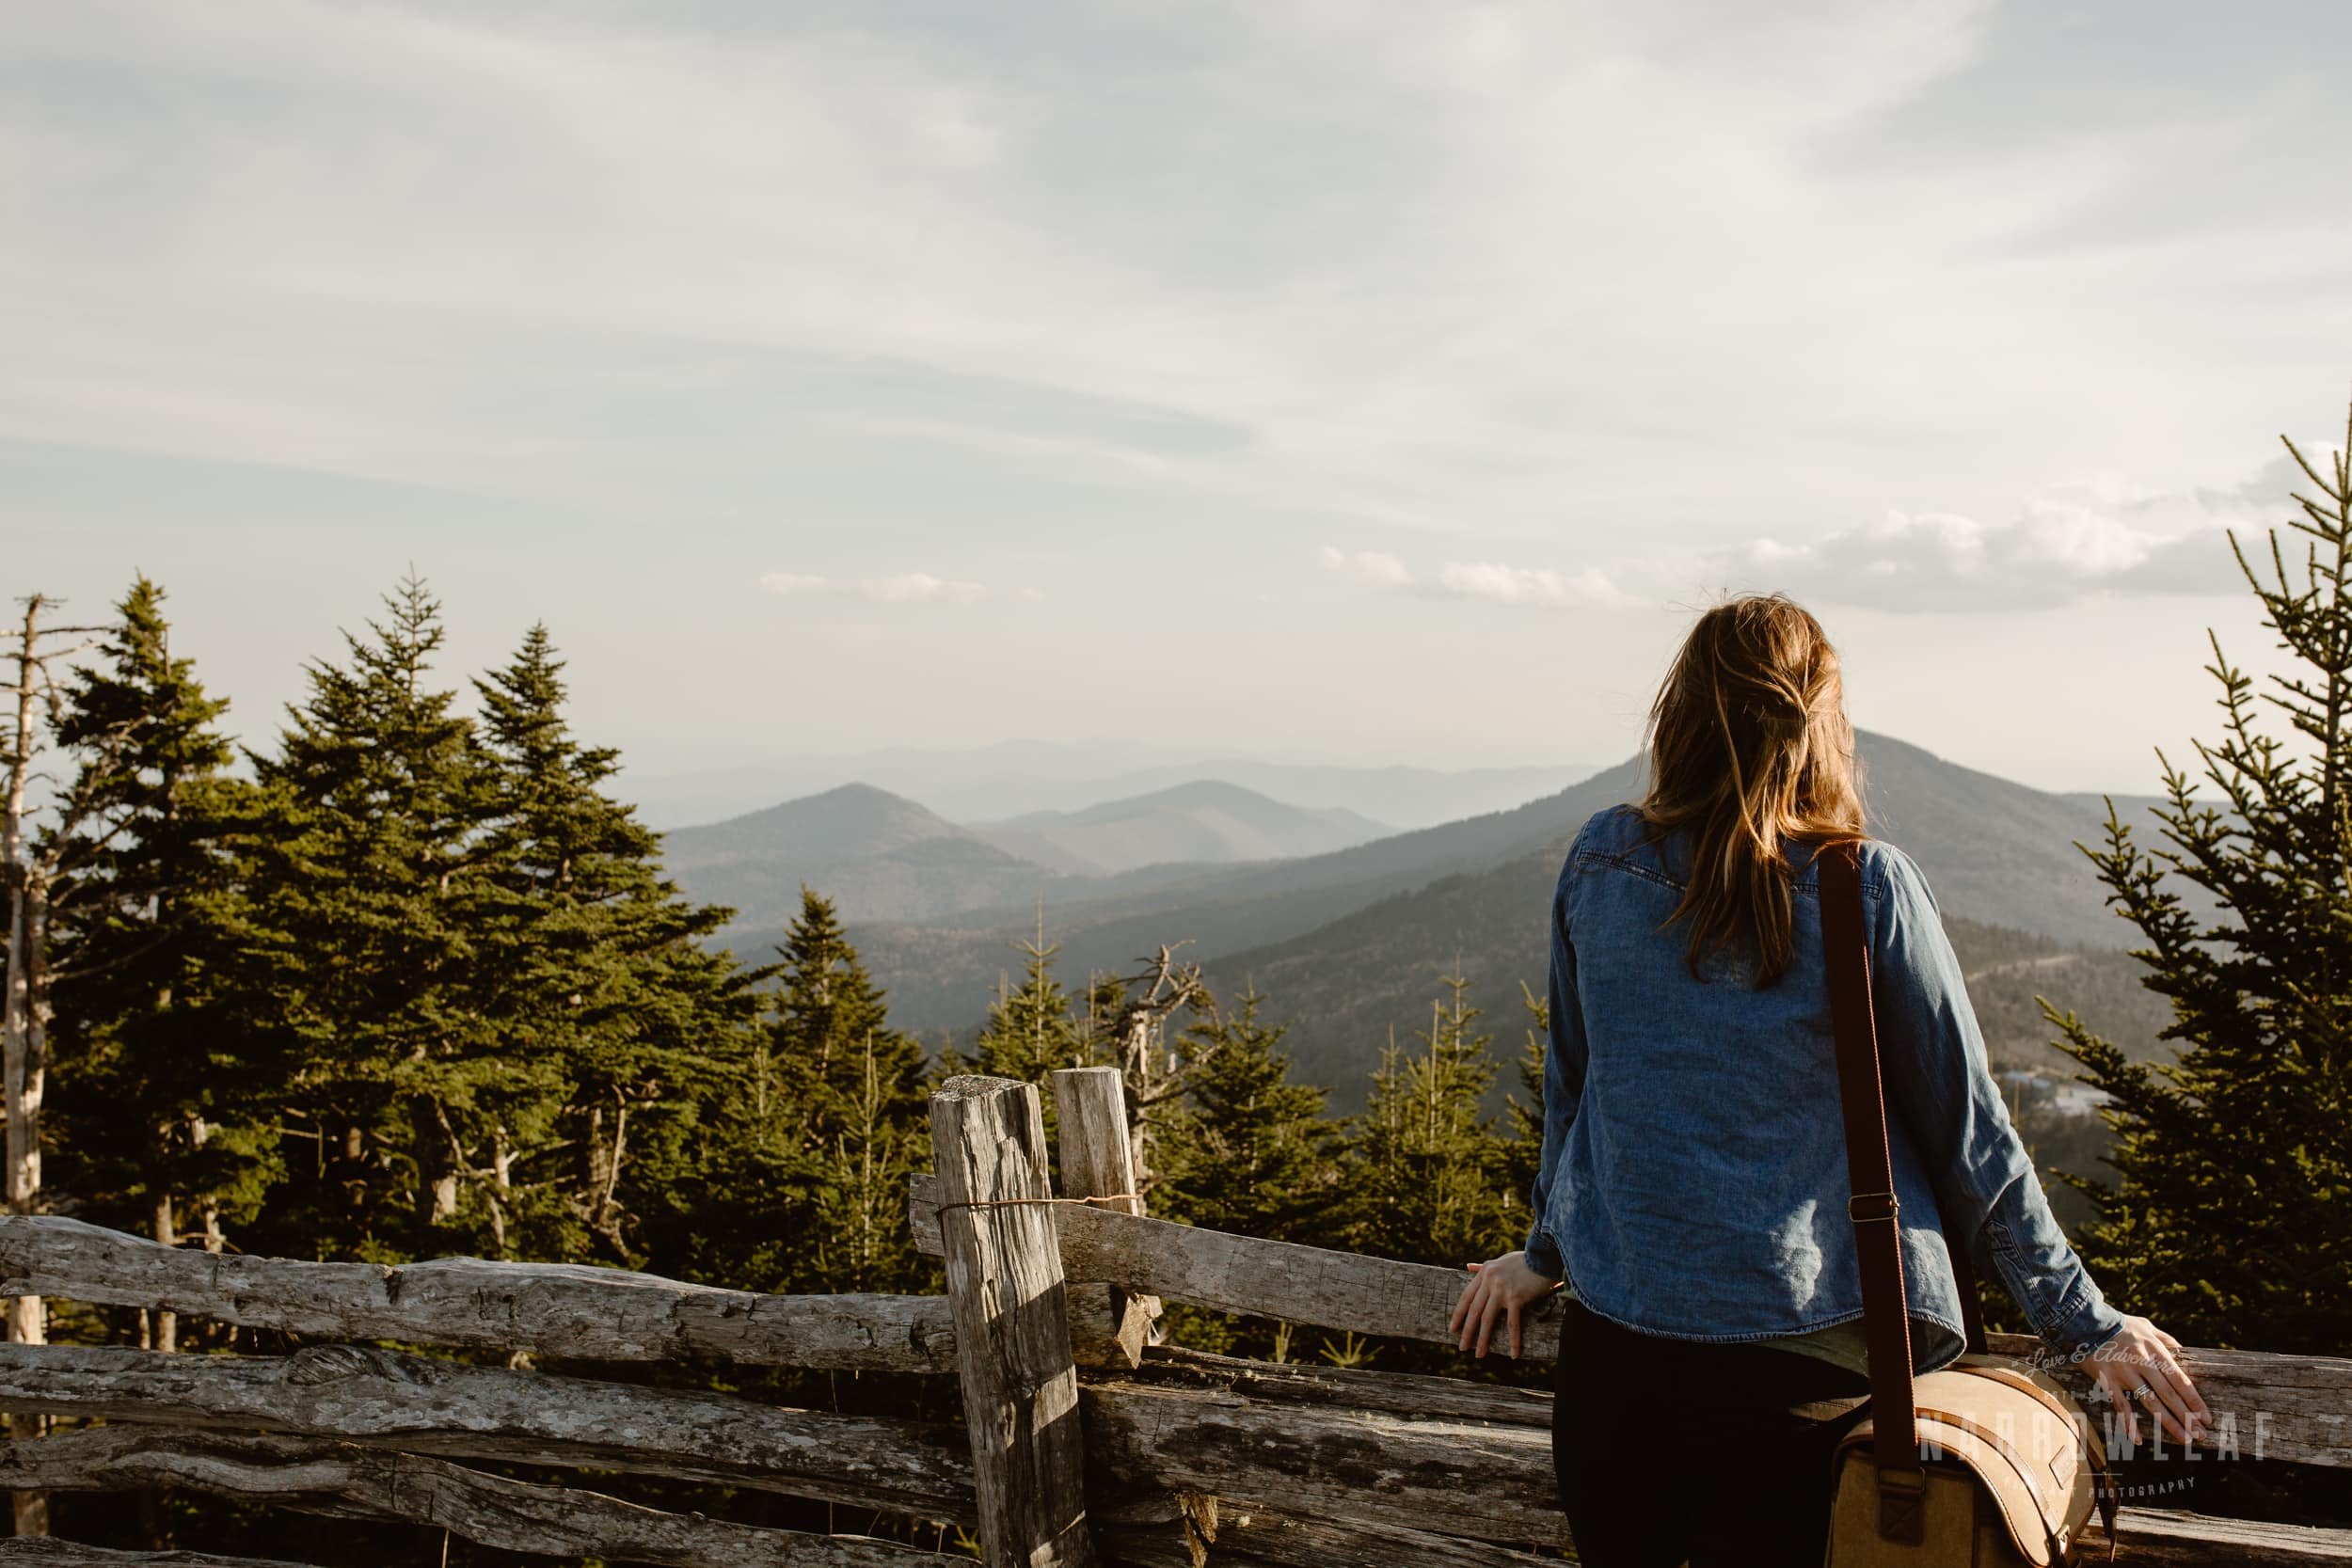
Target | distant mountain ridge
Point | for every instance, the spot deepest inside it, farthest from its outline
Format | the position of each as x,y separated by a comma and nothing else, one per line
1997,852
1204,822
1011,777
1405,798
882,857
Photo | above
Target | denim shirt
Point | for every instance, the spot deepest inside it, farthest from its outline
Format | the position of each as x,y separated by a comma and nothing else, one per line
1693,1181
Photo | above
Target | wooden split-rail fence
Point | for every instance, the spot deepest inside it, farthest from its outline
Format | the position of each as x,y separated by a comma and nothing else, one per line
1082,1443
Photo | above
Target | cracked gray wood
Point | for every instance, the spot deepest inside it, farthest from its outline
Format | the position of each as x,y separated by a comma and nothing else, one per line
1351,1387
1244,1274
53,1553
344,1480
1446,1475
383,1398
1090,1116
2163,1539
553,1310
1012,1323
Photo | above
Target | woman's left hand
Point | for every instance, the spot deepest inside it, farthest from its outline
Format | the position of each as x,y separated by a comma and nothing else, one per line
1498,1289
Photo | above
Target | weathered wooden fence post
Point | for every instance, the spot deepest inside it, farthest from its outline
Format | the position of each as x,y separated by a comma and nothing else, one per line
1012,1323
1096,1162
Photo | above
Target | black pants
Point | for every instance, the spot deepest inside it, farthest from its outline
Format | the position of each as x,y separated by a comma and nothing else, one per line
1675,1451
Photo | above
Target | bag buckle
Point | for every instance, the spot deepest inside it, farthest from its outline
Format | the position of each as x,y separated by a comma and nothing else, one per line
1865,1208
1902,1506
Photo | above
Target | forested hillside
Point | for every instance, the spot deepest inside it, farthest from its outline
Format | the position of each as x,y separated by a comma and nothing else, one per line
1342,986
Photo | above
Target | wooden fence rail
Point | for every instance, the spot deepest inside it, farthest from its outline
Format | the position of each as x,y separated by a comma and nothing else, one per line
346,1481
1081,1444
383,1398
583,1314
1247,1275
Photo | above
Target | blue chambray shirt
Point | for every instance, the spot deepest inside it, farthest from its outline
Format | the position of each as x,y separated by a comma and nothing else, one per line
1694,1182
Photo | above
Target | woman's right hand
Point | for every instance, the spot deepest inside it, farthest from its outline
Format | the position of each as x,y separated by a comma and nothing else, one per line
2137,1367
1500,1289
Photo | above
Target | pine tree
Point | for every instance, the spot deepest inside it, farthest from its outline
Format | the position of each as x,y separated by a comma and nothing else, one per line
854,1094
616,1021
827,1003
1256,1157
1523,1149
1429,1183
2229,1220
164,1102
1030,1029
882,1133
371,895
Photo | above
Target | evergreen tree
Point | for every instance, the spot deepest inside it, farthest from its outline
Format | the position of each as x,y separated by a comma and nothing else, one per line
1524,1109
881,1132
2229,1220
827,1003
1429,1183
1256,1156
1030,1029
164,1102
369,879
1098,1042
616,1020
804,1185
855,1096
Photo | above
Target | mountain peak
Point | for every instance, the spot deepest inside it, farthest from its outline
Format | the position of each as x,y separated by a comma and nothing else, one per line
842,823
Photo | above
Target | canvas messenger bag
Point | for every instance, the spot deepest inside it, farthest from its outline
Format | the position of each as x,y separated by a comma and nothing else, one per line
1985,1463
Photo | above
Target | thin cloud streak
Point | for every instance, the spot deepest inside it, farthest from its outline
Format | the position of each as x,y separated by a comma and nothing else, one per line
906,588
1491,581
1523,585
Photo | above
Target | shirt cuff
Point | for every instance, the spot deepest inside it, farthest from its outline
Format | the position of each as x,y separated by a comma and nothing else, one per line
1543,1255
2083,1322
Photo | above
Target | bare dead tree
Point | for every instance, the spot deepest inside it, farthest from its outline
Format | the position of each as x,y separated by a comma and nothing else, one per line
1155,1075
32,869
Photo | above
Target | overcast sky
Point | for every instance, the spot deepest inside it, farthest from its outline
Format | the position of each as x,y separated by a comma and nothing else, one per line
1347,380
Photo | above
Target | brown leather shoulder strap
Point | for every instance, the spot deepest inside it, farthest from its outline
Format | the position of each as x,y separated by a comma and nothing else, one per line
1869,1165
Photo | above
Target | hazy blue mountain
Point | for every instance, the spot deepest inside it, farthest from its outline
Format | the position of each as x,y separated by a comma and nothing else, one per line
1403,797
1203,821
878,856
711,793
1015,777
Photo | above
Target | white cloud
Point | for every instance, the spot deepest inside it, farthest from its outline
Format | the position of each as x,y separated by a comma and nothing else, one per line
906,588
1372,566
1525,585
1488,581
2097,537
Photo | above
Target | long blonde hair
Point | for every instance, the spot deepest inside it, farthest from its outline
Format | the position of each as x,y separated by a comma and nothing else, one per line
1749,746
